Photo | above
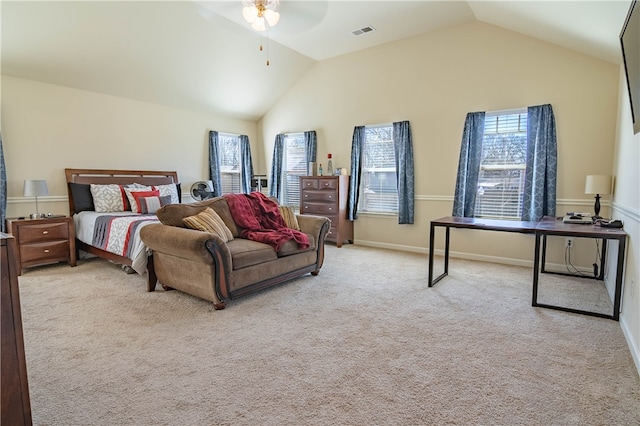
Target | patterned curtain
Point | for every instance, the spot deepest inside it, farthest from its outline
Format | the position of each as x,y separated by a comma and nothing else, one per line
3,189
311,145
357,142
276,168
464,201
542,164
403,147
246,166
214,163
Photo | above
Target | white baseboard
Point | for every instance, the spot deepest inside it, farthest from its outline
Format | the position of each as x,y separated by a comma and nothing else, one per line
631,343
468,256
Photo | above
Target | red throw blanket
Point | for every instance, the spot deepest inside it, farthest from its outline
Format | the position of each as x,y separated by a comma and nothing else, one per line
260,220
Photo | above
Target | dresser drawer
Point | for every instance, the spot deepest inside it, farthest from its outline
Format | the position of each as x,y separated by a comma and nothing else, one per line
327,184
319,195
44,232
318,183
42,252
308,183
319,208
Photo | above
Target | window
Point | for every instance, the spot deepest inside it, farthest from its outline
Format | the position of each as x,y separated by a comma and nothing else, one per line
294,165
229,153
502,168
378,187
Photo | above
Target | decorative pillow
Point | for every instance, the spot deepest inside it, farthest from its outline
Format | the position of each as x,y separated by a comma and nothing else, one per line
108,198
82,198
149,205
169,189
289,216
209,221
137,195
129,190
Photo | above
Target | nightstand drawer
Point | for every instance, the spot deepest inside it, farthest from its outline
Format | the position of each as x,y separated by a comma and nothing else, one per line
44,232
42,252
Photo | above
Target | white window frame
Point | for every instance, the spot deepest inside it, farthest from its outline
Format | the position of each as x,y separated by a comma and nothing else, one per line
501,196
230,171
294,164
378,194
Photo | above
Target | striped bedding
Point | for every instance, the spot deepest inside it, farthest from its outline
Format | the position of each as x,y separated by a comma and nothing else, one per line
117,233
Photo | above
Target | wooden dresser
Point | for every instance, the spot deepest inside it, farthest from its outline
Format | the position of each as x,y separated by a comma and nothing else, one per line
327,196
14,390
42,241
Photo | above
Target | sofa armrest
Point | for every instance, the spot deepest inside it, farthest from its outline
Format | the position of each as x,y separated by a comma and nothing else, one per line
310,224
180,242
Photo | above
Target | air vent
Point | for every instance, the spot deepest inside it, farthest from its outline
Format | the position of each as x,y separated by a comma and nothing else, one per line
364,30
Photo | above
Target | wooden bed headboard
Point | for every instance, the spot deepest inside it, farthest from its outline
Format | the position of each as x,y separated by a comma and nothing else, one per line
120,177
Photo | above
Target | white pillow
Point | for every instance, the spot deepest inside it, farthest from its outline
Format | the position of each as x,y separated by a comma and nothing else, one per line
170,189
108,198
130,189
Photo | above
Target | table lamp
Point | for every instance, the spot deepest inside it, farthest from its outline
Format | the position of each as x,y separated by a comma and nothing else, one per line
597,184
35,188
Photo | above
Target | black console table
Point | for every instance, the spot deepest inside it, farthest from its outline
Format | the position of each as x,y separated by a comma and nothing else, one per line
548,226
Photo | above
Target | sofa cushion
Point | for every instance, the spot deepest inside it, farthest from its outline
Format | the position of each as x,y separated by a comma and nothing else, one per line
291,247
209,221
246,253
173,214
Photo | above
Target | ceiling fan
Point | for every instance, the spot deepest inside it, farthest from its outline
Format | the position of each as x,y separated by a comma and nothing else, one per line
296,16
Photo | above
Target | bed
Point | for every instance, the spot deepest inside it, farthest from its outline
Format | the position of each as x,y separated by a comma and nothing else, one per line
108,229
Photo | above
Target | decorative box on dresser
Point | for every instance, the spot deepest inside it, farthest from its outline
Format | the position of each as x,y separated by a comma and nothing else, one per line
42,241
327,196
16,407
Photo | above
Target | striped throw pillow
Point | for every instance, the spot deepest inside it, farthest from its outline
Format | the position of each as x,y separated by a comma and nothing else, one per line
209,221
289,217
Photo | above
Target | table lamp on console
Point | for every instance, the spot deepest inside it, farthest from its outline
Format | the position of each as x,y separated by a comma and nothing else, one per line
599,185
35,188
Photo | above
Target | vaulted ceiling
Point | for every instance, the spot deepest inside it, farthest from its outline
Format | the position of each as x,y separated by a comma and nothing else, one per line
201,55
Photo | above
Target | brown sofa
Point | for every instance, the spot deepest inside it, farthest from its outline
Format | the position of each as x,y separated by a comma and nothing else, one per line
203,265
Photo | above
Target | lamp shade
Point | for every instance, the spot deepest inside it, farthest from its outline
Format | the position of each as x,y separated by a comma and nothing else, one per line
598,184
35,188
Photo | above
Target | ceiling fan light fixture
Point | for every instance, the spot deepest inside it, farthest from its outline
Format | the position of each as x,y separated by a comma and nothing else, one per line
258,24
271,17
250,14
256,12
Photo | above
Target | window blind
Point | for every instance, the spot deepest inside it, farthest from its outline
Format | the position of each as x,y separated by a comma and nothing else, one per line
379,187
503,165
294,166
229,153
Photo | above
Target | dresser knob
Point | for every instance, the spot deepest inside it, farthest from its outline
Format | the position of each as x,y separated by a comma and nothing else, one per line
46,251
45,232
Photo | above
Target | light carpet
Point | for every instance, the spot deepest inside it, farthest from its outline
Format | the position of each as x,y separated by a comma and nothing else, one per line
366,342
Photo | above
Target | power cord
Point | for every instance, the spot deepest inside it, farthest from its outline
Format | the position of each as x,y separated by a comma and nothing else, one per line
595,264
568,264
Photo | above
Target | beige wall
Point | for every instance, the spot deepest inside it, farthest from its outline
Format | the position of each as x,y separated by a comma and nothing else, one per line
46,128
433,80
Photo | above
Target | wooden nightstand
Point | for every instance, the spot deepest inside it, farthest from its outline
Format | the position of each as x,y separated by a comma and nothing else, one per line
43,241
